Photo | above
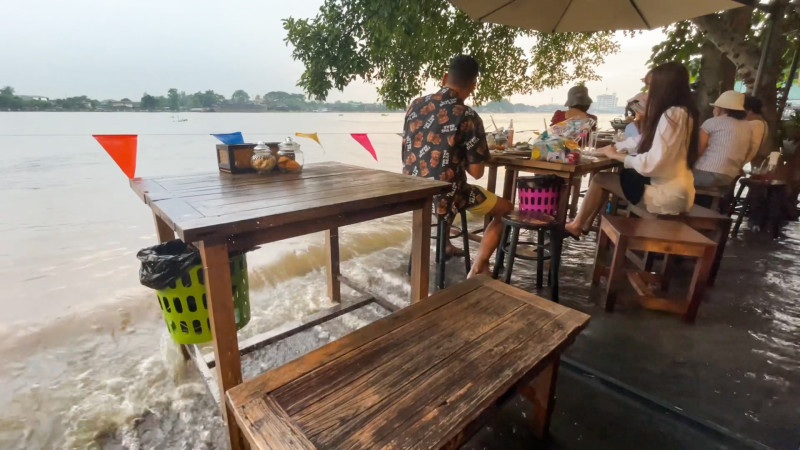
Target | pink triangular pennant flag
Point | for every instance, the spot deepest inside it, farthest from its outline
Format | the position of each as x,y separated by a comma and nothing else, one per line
122,149
362,139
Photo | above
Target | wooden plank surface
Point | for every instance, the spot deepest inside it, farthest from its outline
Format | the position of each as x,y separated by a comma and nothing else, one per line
219,204
420,377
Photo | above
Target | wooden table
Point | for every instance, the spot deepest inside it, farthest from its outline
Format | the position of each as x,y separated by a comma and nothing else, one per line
424,377
514,164
222,213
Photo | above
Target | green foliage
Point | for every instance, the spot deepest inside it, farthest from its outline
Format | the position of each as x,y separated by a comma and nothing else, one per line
403,44
173,99
682,44
149,102
240,97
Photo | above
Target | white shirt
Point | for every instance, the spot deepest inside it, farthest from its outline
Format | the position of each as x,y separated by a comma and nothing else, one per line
671,188
729,142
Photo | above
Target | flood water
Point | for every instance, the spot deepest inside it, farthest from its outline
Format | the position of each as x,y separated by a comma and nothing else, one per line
83,356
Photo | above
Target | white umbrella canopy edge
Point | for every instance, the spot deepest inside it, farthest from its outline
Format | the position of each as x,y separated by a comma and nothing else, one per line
591,15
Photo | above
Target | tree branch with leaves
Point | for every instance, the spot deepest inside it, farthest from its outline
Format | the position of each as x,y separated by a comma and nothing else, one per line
401,45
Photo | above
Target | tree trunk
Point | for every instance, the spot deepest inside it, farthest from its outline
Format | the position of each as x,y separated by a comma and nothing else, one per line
732,44
717,75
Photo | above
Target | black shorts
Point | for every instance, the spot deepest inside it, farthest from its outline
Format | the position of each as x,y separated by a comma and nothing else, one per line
632,184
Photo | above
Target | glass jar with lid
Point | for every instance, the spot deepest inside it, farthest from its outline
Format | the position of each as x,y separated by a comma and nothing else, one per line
263,161
290,157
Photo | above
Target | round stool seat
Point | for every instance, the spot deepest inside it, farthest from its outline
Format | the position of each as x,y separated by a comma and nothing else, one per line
529,219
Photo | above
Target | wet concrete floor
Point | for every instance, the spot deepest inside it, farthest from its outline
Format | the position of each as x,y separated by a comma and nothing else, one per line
645,379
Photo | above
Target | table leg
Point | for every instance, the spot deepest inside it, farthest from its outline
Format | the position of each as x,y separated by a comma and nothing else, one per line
508,184
332,262
163,231
699,281
421,252
575,183
542,393
602,243
223,328
491,186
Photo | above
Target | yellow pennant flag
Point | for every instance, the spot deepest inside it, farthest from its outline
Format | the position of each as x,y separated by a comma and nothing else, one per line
310,136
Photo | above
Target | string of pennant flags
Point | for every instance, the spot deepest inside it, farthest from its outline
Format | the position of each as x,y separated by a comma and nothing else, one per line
122,147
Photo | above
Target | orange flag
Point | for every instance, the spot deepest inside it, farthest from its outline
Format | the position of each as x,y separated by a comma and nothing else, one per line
122,149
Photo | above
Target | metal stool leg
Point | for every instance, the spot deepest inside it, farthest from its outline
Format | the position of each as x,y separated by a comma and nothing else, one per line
501,253
442,234
539,257
512,253
556,240
465,241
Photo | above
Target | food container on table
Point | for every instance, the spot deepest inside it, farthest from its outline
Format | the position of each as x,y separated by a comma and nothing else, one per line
290,157
235,158
263,161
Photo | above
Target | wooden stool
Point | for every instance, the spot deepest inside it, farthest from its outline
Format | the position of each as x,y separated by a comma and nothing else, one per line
507,250
659,236
713,195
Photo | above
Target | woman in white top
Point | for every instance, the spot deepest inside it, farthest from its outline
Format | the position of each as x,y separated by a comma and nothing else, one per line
659,174
725,142
758,127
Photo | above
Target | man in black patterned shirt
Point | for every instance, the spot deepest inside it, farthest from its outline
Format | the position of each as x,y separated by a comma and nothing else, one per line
445,140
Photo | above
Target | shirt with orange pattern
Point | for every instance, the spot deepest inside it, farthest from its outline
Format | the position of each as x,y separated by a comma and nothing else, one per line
441,138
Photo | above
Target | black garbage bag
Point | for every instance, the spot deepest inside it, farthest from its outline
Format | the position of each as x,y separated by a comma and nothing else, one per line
165,263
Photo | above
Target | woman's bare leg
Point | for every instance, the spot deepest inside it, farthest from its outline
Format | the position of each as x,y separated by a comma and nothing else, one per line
595,196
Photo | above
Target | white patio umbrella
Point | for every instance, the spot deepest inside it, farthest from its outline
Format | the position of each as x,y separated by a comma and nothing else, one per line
590,15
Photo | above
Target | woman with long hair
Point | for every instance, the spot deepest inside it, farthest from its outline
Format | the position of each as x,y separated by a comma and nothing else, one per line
660,173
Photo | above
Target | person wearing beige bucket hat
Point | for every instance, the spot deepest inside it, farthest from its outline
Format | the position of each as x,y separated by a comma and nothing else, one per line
725,142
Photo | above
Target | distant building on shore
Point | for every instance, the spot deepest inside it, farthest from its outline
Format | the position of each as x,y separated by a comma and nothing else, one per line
35,98
606,101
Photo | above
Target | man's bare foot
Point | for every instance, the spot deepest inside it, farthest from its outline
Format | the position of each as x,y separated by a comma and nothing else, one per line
484,270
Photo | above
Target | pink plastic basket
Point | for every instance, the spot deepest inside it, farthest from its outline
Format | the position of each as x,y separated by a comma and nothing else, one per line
539,193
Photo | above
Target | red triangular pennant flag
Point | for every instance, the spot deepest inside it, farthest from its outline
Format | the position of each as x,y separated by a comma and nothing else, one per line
362,139
122,149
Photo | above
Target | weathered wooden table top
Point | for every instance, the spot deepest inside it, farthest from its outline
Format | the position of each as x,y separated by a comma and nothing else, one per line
414,379
585,165
199,206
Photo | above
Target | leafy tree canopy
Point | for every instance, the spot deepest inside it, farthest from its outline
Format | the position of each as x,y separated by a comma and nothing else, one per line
402,44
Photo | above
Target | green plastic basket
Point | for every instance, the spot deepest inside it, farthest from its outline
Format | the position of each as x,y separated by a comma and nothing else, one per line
185,308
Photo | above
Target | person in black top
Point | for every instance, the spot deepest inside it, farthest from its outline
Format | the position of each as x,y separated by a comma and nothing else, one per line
444,139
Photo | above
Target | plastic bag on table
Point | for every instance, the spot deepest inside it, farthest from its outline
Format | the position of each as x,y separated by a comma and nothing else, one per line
164,263
577,130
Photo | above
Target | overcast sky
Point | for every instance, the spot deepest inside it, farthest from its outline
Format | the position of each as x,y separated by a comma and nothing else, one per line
123,48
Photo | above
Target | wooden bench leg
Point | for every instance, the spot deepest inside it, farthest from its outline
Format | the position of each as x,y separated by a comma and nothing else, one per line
223,328
599,269
667,269
697,288
575,188
615,274
332,262
542,393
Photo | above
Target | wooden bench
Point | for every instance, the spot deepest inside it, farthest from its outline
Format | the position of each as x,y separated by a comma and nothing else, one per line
661,236
711,223
424,377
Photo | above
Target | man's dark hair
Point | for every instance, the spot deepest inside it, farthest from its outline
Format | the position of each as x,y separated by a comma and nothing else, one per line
463,70
753,104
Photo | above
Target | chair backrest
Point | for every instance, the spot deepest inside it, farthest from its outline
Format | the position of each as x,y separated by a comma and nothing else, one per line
540,193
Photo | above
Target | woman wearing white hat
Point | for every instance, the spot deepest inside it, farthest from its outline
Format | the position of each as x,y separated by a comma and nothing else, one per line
725,142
